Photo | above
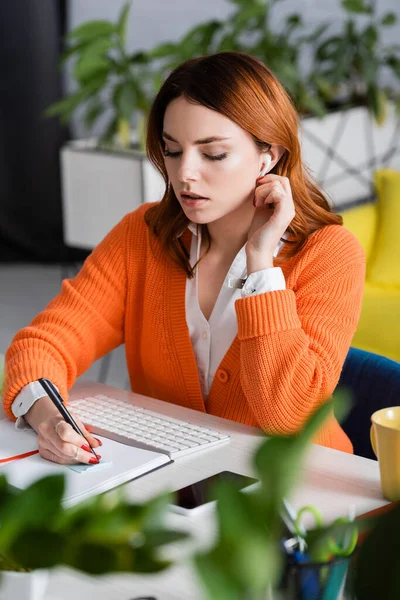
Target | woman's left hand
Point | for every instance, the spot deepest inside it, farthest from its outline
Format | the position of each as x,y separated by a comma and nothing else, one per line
274,212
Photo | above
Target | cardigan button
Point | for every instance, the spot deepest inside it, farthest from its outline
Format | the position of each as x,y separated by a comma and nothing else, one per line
223,375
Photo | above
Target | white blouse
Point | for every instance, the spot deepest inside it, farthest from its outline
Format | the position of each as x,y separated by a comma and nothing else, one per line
210,339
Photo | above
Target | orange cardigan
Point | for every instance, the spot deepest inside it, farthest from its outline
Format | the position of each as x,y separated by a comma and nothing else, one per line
284,362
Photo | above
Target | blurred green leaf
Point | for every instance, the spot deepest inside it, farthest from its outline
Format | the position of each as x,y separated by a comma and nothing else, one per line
376,568
89,65
278,459
108,135
317,33
342,403
163,537
163,50
235,518
393,62
147,562
370,36
37,548
97,558
357,6
377,101
65,106
36,506
71,51
324,86
93,112
123,22
140,58
216,580
92,29
389,19
124,99
155,510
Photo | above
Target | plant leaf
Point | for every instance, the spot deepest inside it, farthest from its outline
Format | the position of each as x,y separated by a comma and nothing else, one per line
68,52
92,29
48,548
123,22
164,50
124,99
357,6
92,113
389,19
393,62
90,65
36,506
278,459
376,567
65,106
216,581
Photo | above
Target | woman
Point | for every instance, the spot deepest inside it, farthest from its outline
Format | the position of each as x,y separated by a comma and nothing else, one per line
238,294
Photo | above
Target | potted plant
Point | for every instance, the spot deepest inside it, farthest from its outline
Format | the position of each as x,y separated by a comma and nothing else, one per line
105,534
359,132
106,177
247,561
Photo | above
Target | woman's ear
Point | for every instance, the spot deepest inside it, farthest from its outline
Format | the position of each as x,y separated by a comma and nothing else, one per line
266,165
270,157
276,152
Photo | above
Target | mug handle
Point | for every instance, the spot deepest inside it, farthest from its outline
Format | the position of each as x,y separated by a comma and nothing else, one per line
372,436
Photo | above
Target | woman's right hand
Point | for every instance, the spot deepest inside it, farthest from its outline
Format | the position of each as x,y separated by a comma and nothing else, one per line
57,441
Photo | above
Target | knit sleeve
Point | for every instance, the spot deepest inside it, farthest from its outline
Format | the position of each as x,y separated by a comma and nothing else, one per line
293,342
81,324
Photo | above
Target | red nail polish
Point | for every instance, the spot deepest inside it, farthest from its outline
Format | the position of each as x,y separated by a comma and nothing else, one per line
100,442
93,461
86,447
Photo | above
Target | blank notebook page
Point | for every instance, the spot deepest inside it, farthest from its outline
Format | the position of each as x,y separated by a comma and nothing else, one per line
128,463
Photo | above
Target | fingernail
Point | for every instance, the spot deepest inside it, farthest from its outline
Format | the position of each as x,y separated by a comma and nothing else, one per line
100,442
93,460
86,447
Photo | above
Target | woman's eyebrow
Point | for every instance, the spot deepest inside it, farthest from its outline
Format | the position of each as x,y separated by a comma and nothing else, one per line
208,140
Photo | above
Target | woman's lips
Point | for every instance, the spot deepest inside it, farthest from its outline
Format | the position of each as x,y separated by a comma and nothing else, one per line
193,202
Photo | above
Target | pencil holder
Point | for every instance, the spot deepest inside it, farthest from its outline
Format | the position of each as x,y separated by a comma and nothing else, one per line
315,581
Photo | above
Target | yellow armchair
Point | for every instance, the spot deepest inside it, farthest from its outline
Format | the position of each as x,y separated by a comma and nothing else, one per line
377,227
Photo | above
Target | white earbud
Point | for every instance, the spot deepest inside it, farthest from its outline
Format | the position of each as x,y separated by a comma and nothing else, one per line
266,166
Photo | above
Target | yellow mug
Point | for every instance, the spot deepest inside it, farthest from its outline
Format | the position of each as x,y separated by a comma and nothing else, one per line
385,440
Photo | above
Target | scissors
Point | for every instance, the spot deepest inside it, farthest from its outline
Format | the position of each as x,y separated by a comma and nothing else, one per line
321,551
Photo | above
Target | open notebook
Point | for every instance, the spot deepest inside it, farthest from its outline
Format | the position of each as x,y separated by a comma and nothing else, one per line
120,463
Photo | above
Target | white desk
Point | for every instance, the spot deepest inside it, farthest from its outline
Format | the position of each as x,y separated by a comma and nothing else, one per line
331,480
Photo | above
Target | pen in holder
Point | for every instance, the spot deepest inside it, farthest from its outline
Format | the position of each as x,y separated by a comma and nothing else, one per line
315,581
317,560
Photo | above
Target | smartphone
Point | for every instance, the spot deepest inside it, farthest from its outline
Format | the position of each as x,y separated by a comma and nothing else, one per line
196,498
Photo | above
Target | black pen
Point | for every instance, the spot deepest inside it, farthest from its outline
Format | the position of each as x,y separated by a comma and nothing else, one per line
58,402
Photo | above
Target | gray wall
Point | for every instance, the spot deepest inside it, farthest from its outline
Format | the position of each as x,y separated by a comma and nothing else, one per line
155,21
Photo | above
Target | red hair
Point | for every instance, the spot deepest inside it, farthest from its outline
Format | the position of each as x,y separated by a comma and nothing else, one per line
243,89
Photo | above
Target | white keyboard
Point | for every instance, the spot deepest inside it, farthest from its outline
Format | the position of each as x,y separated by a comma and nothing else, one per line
135,426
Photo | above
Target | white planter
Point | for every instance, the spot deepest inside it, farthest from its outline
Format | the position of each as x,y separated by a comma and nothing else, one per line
99,188
345,148
23,586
